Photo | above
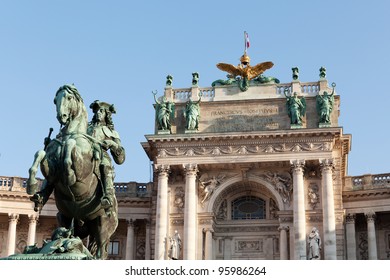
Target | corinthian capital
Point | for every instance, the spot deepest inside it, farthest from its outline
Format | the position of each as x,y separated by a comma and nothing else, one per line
297,165
370,216
161,168
326,164
191,168
13,217
350,218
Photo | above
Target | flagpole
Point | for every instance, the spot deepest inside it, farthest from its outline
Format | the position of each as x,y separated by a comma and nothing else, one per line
245,42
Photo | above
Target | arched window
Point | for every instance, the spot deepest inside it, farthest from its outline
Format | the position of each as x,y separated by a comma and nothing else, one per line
248,208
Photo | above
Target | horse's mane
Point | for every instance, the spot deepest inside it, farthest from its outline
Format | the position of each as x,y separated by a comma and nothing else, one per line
82,114
71,89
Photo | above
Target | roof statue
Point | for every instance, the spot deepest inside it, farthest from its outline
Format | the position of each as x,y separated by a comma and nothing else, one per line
244,69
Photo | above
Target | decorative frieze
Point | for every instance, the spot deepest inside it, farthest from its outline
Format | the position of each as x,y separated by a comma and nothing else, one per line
244,149
177,222
249,246
205,221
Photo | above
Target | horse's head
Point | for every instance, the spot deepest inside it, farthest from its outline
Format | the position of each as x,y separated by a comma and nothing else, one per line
69,105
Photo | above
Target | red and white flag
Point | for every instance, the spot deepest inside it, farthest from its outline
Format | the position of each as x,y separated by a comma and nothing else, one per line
247,44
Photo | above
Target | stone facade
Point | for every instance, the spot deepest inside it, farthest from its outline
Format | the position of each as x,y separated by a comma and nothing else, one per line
245,185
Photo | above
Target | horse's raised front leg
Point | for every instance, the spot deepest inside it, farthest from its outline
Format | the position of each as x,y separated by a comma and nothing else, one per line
32,182
68,162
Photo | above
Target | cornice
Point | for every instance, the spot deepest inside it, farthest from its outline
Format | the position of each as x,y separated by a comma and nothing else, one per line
364,194
10,195
266,136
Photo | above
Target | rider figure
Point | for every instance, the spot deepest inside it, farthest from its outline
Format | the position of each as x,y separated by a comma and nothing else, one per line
102,129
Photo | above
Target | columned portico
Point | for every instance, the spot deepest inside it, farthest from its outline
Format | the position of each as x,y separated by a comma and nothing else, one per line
283,247
130,240
329,220
351,236
209,249
371,236
189,248
32,226
12,222
299,210
147,239
161,213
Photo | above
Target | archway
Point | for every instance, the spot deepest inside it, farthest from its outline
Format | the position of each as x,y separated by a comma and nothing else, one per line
246,219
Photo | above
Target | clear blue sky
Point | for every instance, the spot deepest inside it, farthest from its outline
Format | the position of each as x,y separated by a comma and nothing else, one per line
120,51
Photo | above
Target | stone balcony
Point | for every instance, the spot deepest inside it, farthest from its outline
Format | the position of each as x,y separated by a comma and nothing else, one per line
367,182
256,91
130,189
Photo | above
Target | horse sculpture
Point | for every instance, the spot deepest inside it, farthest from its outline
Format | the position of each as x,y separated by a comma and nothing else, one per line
72,172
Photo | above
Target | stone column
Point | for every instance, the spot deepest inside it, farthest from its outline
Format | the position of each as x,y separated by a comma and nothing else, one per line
208,250
12,222
283,246
299,210
147,239
189,248
329,220
351,236
32,228
371,236
130,240
161,213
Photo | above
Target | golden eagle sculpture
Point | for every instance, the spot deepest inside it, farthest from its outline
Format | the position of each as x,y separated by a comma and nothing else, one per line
245,70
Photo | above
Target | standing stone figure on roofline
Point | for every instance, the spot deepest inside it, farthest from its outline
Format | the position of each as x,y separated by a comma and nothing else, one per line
295,74
102,128
195,79
169,81
325,104
296,107
192,114
164,113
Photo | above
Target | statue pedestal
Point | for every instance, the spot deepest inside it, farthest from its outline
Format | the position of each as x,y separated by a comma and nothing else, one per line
189,131
58,256
321,125
163,131
296,126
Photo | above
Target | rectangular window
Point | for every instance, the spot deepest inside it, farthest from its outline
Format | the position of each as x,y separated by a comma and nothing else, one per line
113,248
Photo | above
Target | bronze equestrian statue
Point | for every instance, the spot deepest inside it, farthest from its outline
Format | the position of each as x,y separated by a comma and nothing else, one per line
78,169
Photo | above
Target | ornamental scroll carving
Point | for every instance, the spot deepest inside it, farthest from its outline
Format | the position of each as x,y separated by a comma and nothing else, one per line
245,149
